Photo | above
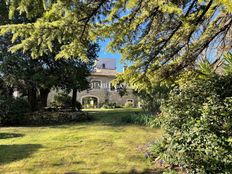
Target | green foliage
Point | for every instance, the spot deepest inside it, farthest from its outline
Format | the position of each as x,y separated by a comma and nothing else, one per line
197,120
35,77
151,101
228,63
144,119
12,110
3,89
44,73
122,90
170,172
107,105
160,38
78,106
53,118
205,67
163,38
129,105
50,22
63,100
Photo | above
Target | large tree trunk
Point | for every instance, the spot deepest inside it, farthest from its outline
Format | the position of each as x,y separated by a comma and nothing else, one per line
44,96
32,98
74,98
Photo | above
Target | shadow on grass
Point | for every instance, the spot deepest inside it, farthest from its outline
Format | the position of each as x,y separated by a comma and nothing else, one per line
111,117
10,135
133,171
75,162
15,152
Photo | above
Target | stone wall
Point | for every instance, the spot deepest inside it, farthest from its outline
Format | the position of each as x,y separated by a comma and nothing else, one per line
106,94
111,96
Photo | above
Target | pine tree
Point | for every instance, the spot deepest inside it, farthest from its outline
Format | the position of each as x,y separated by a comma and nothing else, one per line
160,38
35,77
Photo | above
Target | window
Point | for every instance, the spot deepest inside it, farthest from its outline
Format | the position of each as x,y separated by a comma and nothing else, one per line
103,66
96,84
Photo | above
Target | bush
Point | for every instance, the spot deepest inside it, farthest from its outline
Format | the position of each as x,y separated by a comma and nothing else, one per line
129,105
151,101
63,100
107,105
144,119
78,106
197,120
12,110
51,118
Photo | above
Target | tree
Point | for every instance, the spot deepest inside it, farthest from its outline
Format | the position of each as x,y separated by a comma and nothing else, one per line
60,22
24,74
35,77
38,76
160,38
163,38
73,72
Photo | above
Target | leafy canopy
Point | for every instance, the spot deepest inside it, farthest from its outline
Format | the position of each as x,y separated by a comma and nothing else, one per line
159,37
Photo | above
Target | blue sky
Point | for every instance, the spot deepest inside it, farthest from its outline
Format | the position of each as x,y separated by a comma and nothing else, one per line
105,54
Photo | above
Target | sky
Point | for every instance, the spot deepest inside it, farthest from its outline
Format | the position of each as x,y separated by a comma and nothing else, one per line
105,54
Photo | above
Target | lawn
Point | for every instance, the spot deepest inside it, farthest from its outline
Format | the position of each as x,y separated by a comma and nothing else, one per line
105,145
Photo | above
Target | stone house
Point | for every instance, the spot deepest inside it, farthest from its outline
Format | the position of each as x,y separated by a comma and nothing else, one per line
102,90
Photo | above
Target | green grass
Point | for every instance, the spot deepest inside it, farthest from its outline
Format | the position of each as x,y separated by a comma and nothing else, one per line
105,145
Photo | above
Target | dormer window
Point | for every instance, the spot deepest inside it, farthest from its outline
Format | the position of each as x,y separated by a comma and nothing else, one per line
103,66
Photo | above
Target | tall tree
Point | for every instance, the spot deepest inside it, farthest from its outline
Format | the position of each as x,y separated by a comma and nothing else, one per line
38,76
73,72
159,37
162,38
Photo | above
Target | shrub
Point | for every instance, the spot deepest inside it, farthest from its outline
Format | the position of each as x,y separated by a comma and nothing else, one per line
12,110
107,105
129,105
51,118
197,120
151,101
144,119
78,106
16,112
63,100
